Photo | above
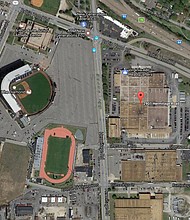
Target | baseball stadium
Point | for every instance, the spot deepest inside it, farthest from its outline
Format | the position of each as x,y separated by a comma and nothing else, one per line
57,155
27,91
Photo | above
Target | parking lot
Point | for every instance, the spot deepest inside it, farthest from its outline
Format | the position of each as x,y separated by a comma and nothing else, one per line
73,71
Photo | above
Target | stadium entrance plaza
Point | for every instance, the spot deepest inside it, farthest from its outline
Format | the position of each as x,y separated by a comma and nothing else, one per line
72,70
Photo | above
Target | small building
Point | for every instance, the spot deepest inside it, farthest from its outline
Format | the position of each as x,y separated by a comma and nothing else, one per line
23,210
52,199
86,155
114,127
38,153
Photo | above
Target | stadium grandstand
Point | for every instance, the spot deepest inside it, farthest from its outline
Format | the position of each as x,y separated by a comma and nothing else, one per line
13,76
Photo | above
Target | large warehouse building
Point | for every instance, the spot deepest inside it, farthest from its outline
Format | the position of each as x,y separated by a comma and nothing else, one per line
13,76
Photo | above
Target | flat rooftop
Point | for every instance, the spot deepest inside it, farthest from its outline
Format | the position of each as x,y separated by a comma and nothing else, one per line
144,120
143,208
156,166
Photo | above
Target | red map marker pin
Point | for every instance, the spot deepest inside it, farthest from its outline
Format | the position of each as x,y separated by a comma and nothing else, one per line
140,96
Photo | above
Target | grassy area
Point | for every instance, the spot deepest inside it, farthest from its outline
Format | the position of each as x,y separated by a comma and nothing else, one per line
10,38
67,184
105,80
36,173
184,85
111,203
186,169
48,6
58,155
114,140
165,216
180,32
13,169
71,128
41,93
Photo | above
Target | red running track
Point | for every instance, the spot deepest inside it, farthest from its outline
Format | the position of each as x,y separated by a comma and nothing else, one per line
62,133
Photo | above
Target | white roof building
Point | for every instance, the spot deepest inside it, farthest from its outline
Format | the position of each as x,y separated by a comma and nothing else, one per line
5,86
52,199
60,199
44,199
126,31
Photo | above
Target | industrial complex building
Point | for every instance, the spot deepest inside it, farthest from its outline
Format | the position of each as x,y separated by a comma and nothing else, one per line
141,208
147,120
151,166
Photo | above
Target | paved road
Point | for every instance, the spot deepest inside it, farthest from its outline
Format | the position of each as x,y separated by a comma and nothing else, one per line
139,52
101,117
159,45
148,26
12,15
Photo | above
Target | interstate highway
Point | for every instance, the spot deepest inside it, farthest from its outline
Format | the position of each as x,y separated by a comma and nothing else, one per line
149,27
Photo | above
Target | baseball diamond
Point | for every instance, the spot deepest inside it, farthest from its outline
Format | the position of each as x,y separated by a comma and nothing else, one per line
37,95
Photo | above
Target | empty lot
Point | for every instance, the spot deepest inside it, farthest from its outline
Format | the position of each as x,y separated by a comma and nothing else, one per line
13,169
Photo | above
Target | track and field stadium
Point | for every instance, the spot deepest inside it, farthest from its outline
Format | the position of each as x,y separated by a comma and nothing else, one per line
27,91
57,155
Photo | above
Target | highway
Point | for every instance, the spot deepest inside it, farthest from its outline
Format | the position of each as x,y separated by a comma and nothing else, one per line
144,54
149,27
101,118
158,45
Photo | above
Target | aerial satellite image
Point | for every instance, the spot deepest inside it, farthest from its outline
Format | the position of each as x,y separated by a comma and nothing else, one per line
95,110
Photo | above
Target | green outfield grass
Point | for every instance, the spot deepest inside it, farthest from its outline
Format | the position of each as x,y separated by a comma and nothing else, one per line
41,93
58,155
49,6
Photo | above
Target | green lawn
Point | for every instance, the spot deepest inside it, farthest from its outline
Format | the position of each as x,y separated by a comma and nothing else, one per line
186,169
165,216
49,6
13,170
41,92
58,155
185,85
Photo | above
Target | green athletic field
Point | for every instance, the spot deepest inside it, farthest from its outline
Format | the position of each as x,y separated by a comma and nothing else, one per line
49,6
58,155
41,93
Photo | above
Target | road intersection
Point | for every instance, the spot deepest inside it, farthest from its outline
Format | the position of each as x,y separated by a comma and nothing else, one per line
42,121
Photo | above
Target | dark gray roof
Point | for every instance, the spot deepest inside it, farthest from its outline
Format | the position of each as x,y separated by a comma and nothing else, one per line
61,218
86,155
21,210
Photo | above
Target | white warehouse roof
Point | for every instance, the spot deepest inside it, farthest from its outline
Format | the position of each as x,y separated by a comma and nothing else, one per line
5,84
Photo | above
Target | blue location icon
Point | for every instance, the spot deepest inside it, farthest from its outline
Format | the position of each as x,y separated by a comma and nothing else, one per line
125,72
83,24
179,42
94,50
124,16
96,37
